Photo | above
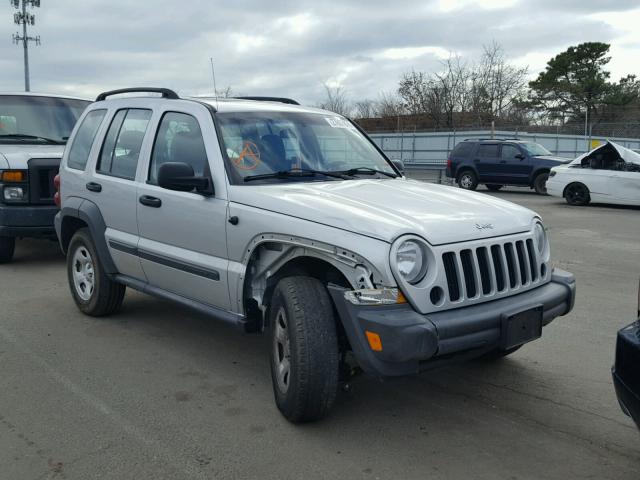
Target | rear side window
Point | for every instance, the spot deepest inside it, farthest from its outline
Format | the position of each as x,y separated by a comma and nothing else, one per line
179,139
463,149
122,144
488,150
81,146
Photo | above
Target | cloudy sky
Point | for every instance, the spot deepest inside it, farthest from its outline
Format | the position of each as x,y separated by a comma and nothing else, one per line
289,48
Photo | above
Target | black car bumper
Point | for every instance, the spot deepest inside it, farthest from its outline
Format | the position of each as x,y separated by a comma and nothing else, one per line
412,342
27,220
626,371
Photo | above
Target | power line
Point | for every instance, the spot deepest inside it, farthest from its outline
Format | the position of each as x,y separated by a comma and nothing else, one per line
22,17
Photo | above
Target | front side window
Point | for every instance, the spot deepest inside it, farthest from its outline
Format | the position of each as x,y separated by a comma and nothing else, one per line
535,149
264,143
179,139
81,146
122,144
509,152
34,119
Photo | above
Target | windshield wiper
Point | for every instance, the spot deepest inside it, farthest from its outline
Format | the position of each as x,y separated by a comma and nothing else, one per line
21,136
366,171
297,173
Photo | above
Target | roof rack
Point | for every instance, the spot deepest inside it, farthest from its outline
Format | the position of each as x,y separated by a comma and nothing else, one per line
270,99
166,93
491,139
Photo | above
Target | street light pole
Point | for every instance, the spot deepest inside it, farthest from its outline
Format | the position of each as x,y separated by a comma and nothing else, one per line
23,18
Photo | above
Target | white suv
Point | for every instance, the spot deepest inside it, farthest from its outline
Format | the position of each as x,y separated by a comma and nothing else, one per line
275,217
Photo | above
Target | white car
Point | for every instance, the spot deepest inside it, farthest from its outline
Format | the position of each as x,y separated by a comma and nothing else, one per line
609,173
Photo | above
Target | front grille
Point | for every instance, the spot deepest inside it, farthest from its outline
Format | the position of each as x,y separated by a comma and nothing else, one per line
476,272
41,174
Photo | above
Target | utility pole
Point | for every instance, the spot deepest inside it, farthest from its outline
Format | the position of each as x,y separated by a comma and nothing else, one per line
23,18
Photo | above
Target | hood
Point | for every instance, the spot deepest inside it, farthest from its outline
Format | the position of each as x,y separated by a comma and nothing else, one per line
386,209
554,158
17,156
627,155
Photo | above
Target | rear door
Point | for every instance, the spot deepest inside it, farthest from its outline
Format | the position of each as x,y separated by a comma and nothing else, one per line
182,245
486,161
113,188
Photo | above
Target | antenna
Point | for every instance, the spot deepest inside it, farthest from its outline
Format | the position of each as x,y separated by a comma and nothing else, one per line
22,17
213,74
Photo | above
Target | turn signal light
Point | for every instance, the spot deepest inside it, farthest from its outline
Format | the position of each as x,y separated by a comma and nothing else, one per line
374,341
14,176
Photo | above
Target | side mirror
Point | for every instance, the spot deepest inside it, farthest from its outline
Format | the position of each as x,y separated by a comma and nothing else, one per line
179,176
520,156
399,164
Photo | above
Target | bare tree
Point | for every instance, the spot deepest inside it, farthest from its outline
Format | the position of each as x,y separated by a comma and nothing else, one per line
389,105
335,100
488,88
365,108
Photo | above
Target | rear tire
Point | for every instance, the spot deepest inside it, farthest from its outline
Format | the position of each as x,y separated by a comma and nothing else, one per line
7,247
540,183
95,294
304,349
493,187
577,194
468,180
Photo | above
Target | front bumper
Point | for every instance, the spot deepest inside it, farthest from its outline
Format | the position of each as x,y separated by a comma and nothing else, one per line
413,342
27,220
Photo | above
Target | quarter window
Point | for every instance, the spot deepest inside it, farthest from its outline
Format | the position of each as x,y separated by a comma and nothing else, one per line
488,150
179,139
121,148
81,146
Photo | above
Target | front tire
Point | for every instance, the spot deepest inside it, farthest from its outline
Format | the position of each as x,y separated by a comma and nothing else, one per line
304,349
577,194
95,294
540,183
468,180
7,247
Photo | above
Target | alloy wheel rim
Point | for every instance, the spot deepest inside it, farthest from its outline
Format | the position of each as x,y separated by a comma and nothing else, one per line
282,351
465,181
83,273
577,194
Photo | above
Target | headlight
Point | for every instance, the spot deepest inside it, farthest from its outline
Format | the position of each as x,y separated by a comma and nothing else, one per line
540,236
411,261
13,194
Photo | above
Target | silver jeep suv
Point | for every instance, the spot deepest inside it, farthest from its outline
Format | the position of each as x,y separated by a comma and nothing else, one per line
275,217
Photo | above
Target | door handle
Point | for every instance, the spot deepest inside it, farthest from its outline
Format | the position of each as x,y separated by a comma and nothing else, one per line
476,161
503,161
94,187
150,201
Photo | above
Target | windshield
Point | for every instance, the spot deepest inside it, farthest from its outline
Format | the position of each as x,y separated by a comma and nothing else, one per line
535,149
264,143
37,120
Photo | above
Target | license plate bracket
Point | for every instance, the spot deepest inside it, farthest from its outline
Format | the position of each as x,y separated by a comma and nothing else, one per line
521,327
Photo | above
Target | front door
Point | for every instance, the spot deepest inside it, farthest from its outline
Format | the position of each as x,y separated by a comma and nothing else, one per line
182,244
514,166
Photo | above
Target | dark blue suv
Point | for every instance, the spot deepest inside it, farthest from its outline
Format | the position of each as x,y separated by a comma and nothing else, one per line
496,163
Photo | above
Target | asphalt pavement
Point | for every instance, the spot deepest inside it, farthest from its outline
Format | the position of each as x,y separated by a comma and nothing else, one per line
160,392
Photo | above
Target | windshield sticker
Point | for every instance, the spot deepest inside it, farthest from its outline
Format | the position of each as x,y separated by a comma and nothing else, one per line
249,157
338,122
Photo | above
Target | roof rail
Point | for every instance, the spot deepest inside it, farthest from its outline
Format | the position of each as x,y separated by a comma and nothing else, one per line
270,99
491,139
166,93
